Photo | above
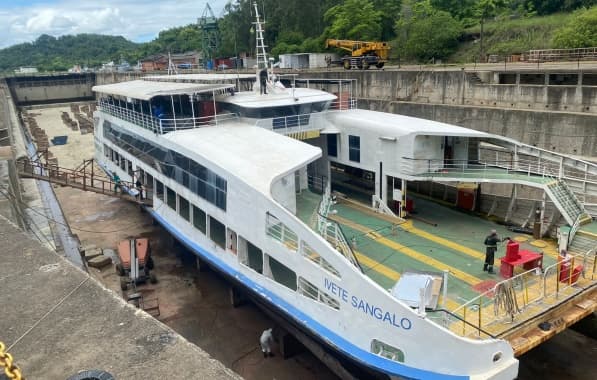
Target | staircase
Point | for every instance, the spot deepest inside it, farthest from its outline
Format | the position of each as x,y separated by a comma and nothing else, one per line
474,78
582,243
569,205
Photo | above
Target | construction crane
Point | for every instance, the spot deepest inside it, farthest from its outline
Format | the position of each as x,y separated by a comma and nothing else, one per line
363,54
210,32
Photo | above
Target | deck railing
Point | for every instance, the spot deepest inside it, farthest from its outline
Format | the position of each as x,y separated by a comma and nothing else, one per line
481,169
331,231
515,296
162,125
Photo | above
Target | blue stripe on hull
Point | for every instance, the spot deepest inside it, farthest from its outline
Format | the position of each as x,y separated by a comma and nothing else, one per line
359,355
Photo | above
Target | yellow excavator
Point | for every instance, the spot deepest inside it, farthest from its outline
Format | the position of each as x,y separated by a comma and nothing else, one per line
363,54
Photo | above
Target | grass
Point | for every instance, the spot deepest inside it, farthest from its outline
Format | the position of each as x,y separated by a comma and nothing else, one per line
510,36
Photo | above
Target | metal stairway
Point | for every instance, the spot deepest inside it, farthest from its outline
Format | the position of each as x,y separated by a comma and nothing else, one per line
79,180
568,203
582,243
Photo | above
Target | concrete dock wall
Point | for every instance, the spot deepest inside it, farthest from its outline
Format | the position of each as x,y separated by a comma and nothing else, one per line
46,89
477,88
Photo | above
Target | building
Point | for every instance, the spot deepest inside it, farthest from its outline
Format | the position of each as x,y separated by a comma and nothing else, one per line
159,62
305,60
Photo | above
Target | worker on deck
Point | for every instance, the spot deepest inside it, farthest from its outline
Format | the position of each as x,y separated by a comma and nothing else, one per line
265,341
139,187
263,81
490,247
116,179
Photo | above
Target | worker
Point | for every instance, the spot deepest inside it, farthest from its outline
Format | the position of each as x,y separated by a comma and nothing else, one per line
490,247
139,187
116,179
263,81
266,340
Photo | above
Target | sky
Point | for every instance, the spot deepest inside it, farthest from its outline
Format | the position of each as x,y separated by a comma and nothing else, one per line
138,20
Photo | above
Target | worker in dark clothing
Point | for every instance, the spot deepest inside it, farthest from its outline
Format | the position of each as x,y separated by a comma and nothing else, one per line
139,187
117,184
263,81
491,242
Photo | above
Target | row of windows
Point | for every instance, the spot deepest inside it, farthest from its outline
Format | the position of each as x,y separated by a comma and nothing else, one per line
354,147
249,254
195,177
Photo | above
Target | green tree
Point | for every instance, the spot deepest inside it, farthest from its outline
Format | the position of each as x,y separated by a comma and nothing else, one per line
483,10
580,32
418,34
355,20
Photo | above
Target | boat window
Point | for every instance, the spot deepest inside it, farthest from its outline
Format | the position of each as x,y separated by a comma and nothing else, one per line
354,148
389,352
280,232
307,289
107,152
195,177
171,198
250,255
282,274
148,180
217,232
310,254
199,219
183,208
332,145
278,112
159,190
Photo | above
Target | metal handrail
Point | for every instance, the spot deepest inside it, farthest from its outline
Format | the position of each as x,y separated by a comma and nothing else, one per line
548,275
163,125
331,231
443,166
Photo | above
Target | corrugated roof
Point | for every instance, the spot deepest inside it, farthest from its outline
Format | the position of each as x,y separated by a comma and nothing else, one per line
145,90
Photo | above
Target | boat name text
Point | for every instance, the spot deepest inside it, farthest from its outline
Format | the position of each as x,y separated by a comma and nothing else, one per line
366,307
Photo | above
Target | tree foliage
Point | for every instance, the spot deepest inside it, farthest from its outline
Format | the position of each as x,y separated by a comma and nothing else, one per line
432,27
59,54
580,32
354,20
419,32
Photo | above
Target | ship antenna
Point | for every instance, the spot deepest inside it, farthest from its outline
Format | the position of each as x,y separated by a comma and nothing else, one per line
261,55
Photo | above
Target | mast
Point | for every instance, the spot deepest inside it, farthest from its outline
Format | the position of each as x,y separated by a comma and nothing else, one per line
260,53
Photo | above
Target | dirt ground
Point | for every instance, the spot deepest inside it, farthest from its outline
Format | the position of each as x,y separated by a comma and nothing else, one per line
196,304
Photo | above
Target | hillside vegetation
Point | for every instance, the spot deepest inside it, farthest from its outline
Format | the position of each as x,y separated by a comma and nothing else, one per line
419,31
58,54
511,36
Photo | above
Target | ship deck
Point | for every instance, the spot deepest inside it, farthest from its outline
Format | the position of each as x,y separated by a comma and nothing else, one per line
439,238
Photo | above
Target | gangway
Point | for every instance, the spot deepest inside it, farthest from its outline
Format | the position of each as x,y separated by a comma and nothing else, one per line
80,179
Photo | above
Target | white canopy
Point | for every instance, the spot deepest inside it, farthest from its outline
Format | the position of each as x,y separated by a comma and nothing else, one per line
145,90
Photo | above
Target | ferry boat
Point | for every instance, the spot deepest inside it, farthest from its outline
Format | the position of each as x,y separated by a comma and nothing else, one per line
305,202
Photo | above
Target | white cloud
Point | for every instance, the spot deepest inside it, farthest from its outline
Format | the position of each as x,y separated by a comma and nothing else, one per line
135,20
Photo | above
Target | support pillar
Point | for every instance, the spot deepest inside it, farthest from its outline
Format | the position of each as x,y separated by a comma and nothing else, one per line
288,345
236,297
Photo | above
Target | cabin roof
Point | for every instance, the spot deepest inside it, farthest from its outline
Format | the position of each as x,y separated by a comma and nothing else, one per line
392,125
255,155
282,97
145,90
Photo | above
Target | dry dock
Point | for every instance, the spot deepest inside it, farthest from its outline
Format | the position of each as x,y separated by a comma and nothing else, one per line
194,304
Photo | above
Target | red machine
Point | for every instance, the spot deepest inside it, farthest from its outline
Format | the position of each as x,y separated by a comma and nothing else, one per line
516,257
